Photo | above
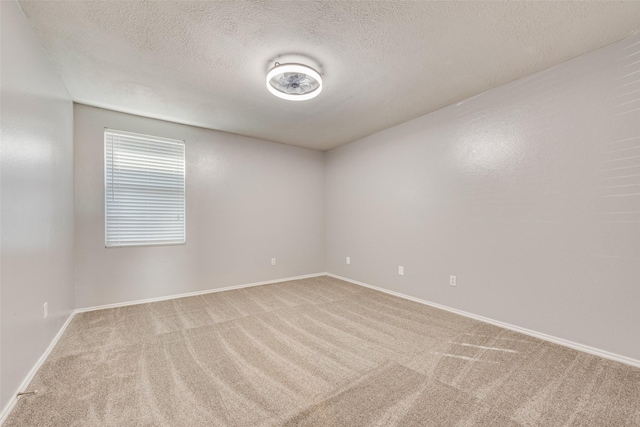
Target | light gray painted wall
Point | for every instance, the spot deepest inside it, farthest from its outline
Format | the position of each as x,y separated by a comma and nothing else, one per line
36,194
529,194
247,201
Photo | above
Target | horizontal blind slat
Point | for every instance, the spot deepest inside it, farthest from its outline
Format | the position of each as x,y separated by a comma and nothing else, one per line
137,144
126,136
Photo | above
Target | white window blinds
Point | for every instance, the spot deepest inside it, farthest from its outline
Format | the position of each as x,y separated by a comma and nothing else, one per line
144,190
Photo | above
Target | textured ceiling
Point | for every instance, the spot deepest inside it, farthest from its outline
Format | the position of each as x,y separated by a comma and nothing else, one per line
383,63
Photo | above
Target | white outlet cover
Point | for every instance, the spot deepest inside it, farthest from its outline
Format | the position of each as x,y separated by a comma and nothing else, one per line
452,280
401,270
46,310
273,261
348,260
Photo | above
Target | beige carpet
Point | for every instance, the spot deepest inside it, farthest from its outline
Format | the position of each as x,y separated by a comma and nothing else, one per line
316,352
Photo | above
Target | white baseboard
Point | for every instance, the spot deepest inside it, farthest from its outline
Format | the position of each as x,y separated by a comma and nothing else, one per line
576,346
25,383
192,294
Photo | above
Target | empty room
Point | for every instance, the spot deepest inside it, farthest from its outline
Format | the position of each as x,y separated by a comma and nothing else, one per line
320,213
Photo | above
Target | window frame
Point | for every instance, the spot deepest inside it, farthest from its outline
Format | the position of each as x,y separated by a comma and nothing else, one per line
106,194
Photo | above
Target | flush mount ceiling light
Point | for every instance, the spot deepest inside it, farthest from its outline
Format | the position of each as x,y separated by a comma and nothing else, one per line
294,82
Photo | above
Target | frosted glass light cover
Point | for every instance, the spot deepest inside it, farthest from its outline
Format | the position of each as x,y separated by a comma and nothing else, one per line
295,82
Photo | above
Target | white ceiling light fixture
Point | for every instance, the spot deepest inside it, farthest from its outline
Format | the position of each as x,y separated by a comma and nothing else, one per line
294,82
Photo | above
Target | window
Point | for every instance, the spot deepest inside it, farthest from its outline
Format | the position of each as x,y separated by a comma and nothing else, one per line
144,190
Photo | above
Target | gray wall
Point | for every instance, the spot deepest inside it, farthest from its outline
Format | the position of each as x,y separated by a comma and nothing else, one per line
36,193
247,201
529,194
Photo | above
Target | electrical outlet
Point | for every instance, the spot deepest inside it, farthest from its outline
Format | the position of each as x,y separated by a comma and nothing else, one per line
348,260
273,261
45,308
400,270
452,280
